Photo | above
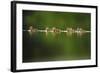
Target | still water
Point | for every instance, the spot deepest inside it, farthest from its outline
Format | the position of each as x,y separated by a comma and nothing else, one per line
41,46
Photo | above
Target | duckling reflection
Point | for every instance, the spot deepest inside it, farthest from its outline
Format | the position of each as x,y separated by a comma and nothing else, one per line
69,33
79,33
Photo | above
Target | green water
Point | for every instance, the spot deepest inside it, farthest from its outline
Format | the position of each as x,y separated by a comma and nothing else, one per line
41,46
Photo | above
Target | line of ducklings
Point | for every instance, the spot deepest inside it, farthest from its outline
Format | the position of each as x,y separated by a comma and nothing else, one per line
56,30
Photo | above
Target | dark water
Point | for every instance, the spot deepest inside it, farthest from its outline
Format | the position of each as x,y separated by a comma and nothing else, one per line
41,46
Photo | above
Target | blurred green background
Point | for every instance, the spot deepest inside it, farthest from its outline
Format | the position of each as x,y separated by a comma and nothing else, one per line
61,20
41,46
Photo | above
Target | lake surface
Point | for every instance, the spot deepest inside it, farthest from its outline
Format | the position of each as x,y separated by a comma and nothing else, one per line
42,47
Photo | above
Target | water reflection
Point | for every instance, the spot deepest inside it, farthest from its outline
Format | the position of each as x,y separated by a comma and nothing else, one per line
51,46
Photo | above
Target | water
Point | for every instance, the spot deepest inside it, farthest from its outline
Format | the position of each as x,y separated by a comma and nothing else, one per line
42,47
